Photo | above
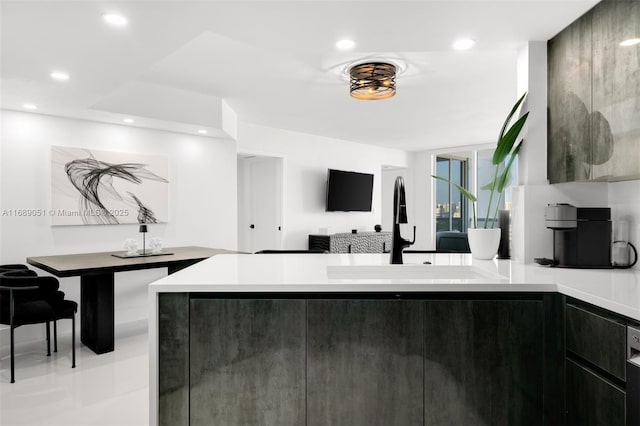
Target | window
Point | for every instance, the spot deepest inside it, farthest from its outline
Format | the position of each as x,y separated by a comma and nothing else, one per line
451,205
486,172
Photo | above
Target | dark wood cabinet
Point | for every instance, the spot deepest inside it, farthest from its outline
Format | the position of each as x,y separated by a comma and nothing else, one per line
615,129
597,377
569,98
484,362
593,96
598,339
591,399
405,359
173,359
247,362
365,362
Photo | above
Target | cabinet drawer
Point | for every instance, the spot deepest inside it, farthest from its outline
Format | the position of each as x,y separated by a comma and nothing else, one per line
591,400
599,340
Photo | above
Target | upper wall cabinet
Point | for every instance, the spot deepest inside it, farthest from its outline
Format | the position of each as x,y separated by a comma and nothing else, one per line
569,59
594,96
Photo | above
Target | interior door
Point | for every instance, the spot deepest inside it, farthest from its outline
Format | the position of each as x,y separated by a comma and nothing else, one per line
265,203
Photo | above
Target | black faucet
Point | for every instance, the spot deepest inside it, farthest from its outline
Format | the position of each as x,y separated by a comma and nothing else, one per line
399,216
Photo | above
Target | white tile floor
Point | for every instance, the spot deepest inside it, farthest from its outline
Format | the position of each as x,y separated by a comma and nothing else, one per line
108,389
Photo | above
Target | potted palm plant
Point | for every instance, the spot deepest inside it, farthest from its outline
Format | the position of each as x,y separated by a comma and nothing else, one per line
484,241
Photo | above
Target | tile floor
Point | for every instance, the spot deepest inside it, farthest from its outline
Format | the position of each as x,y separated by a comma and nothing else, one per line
109,389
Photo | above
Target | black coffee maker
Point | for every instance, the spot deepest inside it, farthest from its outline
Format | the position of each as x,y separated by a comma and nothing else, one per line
581,236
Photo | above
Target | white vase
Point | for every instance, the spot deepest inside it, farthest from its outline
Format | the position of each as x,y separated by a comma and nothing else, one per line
483,242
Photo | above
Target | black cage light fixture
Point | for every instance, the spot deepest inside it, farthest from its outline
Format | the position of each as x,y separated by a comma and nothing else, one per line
373,80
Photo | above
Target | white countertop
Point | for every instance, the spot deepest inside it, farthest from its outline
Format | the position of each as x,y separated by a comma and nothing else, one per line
615,290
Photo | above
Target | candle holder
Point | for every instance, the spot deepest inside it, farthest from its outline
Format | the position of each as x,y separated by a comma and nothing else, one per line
143,230
131,246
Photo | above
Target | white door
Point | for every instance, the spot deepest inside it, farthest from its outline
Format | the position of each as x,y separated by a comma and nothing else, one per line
262,228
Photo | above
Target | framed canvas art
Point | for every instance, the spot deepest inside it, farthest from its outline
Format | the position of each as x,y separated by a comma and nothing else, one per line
92,187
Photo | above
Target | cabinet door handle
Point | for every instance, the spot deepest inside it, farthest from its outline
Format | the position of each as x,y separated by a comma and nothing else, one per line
252,226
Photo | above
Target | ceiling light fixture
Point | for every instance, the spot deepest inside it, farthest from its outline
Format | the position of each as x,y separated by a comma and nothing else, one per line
128,120
115,19
345,44
464,44
59,75
373,80
202,132
630,42
29,106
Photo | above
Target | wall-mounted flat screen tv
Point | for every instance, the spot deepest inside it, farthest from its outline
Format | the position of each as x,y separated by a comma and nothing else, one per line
349,191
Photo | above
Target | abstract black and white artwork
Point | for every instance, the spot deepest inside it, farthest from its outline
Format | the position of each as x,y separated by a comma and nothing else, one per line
92,187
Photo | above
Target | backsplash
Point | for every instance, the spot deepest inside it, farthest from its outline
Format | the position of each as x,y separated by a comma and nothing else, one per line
624,200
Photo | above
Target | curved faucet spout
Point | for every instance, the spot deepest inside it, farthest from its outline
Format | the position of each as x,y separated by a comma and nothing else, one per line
399,216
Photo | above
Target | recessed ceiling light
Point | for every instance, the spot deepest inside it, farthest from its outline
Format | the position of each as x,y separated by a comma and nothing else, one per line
630,42
345,44
59,75
202,132
464,44
115,19
128,120
29,106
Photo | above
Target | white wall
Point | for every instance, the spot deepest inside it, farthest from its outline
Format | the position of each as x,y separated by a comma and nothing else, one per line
202,198
306,160
624,200
532,78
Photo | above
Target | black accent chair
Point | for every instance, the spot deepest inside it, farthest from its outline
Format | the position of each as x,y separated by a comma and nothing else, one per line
452,242
312,251
5,268
26,298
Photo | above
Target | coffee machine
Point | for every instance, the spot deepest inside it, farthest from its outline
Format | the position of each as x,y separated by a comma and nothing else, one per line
581,236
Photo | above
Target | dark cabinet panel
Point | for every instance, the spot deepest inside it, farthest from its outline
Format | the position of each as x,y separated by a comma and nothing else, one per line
616,90
173,359
247,362
594,96
592,400
365,363
599,340
484,362
569,98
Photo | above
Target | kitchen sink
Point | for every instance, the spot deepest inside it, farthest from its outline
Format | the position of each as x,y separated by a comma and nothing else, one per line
411,271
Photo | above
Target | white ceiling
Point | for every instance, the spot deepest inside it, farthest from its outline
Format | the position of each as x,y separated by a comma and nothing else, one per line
275,64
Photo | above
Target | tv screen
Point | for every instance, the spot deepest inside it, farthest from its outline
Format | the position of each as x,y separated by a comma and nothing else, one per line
349,191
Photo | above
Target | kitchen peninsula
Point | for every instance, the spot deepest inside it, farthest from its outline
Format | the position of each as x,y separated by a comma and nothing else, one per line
349,339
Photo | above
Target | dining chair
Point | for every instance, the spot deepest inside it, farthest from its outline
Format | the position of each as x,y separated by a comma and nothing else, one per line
26,298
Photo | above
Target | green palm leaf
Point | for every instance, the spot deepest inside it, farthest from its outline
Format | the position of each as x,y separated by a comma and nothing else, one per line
513,111
506,143
505,177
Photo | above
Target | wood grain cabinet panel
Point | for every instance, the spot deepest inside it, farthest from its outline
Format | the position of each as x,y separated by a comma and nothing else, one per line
615,123
173,359
599,340
594,96
365,363
569,98
483,362
247,362
591,400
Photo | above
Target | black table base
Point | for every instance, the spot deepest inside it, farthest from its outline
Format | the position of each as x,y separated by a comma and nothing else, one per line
96,310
